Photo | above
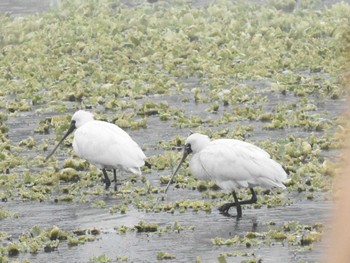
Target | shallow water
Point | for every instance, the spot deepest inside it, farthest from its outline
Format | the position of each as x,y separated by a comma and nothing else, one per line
185,245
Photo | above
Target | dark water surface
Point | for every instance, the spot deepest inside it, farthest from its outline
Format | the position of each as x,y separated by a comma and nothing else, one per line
186,245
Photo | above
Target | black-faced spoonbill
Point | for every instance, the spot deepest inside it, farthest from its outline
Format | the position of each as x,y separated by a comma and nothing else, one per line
232,164
104,145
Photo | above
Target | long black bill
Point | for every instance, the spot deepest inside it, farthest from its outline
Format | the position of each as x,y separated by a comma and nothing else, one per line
70,130
187,151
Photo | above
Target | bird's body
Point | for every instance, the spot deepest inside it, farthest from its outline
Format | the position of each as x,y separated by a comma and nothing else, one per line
104,145
107,146
233,164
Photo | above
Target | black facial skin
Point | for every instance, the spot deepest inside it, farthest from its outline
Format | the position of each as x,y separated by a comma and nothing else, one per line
70,130
187,149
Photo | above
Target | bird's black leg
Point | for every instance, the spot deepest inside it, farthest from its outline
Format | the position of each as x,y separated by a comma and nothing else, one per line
225,207
238,205
252,200
107,181
115,179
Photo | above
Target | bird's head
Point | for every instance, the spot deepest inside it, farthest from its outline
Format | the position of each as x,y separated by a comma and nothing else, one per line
81,117
194,143
78,119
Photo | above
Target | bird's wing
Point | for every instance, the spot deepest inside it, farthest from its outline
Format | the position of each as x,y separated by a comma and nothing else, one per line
105,144
234,163
114,128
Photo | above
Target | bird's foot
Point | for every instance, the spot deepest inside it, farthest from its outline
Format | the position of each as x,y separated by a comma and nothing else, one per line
225,207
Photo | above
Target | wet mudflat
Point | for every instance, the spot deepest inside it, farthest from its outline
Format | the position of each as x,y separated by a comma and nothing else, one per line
186,245
168,70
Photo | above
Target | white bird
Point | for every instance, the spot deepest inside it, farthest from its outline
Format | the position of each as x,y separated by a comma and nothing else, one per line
232,164
104,145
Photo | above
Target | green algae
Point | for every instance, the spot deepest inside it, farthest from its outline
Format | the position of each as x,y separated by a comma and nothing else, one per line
292,233
221,241
162,161
47,240
69,175
310,238
161,255
129,59
4,213
76,164
100,259
122,259
146,227
13,249
118,208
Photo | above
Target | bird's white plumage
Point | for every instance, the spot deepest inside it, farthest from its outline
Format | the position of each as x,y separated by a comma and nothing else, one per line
106,145
81,117
232,164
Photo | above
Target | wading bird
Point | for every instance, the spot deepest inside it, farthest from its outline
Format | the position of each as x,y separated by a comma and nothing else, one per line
232,164
104,145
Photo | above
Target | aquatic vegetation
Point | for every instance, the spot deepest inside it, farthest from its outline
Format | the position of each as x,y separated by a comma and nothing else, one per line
76,164
37,239
118,208
92,231
167,159
292,233
100,204
100,259
122,259
161,255
246,71
30,142
172,144
310,238
221,241
69,175
145,227
13,249
3,213
252,257
18,105
125,122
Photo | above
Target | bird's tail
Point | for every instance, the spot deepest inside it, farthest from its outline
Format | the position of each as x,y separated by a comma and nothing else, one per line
274,184
135,170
